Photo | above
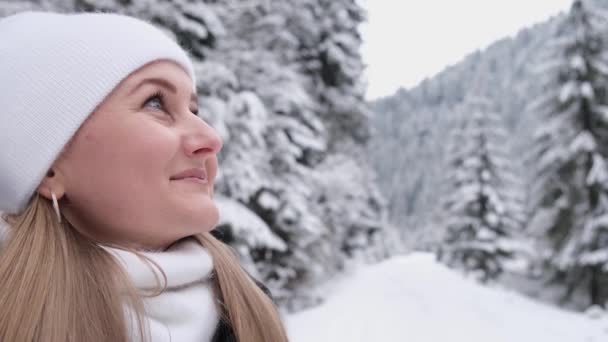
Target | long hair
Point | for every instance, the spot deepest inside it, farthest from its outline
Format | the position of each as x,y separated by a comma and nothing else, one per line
58,285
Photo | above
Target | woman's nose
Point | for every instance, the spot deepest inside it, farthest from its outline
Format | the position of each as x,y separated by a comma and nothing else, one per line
201,138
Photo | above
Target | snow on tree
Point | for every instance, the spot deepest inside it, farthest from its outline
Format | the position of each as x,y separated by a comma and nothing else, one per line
329,56
322,222
483,207
570,155
246,231
274,142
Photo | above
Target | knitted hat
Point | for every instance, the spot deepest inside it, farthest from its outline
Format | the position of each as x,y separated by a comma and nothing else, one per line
54,70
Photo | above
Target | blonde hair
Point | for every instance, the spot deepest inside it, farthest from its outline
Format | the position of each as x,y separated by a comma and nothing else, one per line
58,285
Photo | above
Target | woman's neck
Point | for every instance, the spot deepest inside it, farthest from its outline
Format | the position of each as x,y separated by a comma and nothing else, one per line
183,262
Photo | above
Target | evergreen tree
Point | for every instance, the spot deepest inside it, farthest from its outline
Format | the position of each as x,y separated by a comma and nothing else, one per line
483,208
570,152
322,204
328,55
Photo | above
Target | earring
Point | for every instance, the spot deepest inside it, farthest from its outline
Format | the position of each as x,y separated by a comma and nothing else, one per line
56,206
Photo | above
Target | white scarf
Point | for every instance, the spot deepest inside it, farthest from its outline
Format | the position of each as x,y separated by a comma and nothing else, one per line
185,311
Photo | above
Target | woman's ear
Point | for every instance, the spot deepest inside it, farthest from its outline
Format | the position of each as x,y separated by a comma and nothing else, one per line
52,181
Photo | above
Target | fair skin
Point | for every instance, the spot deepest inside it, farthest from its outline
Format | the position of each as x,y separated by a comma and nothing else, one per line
114,179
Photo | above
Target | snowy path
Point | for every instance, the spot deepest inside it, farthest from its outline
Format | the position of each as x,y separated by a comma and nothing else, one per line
414,299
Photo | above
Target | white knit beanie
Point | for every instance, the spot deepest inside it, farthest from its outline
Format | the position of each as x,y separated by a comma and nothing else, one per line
54,70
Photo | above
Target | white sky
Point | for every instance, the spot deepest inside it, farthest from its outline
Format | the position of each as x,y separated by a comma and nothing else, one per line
405,41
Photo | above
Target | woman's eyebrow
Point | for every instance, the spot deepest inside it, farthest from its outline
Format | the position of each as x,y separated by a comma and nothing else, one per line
163,83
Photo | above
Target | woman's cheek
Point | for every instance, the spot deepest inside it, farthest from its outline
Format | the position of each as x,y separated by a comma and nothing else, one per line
153,151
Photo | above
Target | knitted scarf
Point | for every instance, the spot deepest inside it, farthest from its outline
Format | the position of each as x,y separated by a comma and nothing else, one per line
186,310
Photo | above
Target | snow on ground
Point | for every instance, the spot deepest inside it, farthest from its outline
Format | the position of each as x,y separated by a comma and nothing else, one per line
415,299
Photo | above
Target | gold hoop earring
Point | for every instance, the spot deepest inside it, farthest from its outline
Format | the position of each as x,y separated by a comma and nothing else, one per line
56,206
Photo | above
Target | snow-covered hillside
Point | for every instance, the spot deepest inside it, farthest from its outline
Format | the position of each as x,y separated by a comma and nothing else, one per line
412,298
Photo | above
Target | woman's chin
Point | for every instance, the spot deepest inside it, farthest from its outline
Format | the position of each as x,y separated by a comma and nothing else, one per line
203,220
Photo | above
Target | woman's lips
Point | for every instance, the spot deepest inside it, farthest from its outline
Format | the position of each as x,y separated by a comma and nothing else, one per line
198,173
194,179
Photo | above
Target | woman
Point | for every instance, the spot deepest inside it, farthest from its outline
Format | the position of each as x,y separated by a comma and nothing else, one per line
106,183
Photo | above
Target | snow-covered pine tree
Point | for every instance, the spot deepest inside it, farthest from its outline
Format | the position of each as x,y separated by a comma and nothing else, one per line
483,209
323,206
274,174
571,183
328,56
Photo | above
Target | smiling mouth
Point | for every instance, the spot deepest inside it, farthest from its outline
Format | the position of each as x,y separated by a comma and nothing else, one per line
193,179
197,173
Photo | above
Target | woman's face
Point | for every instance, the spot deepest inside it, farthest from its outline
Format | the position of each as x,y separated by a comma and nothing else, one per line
119,171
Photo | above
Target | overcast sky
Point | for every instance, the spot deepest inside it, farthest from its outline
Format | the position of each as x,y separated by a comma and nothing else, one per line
405,41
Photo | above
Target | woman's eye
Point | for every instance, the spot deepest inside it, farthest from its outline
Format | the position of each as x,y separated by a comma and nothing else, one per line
157,100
